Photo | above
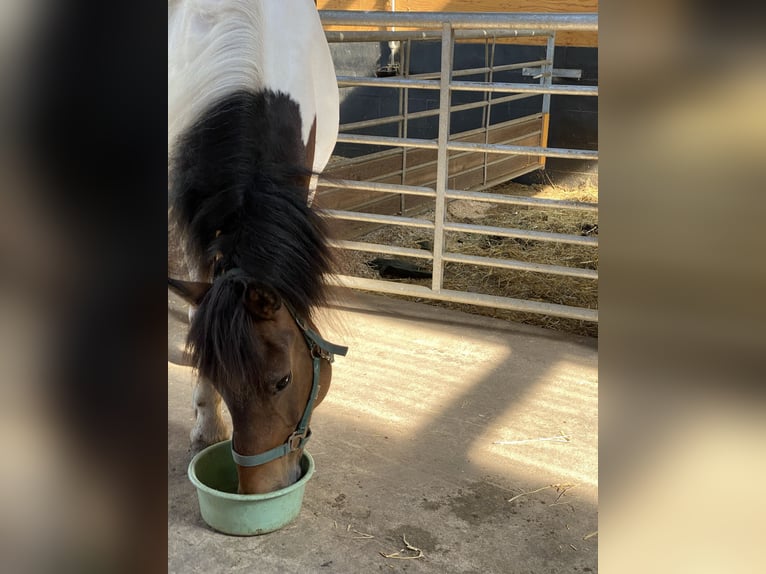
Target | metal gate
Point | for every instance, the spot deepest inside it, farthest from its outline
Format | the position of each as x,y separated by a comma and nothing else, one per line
449,27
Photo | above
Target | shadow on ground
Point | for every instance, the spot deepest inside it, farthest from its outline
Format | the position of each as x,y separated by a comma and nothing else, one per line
404,446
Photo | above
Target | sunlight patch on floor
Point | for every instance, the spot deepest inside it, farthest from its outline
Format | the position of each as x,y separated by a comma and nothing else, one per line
410,382
551,431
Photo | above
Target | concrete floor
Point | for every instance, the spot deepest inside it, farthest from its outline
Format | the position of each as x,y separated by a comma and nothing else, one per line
404,446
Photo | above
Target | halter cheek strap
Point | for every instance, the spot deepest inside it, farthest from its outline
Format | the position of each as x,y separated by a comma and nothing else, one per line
319,349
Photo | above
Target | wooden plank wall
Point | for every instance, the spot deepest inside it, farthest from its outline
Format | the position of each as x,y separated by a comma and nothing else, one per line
466,169
583,39
466,173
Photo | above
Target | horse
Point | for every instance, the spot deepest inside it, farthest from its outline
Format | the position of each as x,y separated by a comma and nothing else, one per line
252,120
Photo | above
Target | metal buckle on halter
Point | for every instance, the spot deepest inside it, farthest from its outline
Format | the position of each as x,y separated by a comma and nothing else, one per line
296,439
318,352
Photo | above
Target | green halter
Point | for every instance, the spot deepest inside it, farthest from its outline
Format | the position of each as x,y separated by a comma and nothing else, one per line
319,349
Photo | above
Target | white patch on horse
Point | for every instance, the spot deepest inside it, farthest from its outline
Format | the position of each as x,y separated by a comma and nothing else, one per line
218,47
209,427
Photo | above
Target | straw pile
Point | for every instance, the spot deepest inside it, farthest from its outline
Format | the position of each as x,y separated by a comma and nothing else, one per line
518,284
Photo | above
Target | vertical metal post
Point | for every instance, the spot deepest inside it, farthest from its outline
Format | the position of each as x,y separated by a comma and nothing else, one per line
485,98
400,132
404,111
546,79
486,79
442,163
489,106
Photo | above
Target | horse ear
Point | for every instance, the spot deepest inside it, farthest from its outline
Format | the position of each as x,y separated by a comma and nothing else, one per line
190,291
261,301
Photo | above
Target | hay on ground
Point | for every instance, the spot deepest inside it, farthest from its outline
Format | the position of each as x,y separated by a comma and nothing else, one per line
571,291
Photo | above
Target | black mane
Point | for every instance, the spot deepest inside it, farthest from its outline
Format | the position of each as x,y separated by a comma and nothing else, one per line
238,195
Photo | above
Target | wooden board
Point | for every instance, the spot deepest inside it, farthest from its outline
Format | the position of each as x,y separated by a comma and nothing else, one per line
584,39
466,172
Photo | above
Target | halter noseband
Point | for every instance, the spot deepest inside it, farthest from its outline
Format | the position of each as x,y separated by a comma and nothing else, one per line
319,349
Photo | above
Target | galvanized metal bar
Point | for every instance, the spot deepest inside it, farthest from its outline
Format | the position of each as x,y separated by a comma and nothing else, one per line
370,123
468,146
472,71
405,121
428,113
400,115
488,119
569,73
521,200
518,66
352,81
387,141
525,150
378,248
557,89
485,95
507,303
442,166
516,265
585,22
335,37
377,187
378,218
546,79
522,234
518,88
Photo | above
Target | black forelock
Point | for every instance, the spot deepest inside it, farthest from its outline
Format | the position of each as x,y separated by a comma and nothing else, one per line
219,342
239,196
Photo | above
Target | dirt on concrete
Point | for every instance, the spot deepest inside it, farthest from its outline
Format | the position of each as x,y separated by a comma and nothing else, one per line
435,420
526,285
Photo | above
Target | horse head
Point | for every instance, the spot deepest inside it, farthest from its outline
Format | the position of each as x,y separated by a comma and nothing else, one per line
270,367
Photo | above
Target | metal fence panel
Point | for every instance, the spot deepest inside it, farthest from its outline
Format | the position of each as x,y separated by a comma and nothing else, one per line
449,27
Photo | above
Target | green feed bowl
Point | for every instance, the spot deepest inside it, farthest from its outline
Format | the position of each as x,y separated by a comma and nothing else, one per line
214,474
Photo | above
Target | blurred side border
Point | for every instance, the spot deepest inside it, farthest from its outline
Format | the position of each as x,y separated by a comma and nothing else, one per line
82,242
682,137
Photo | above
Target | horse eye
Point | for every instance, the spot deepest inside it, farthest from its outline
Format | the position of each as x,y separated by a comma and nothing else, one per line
284,381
